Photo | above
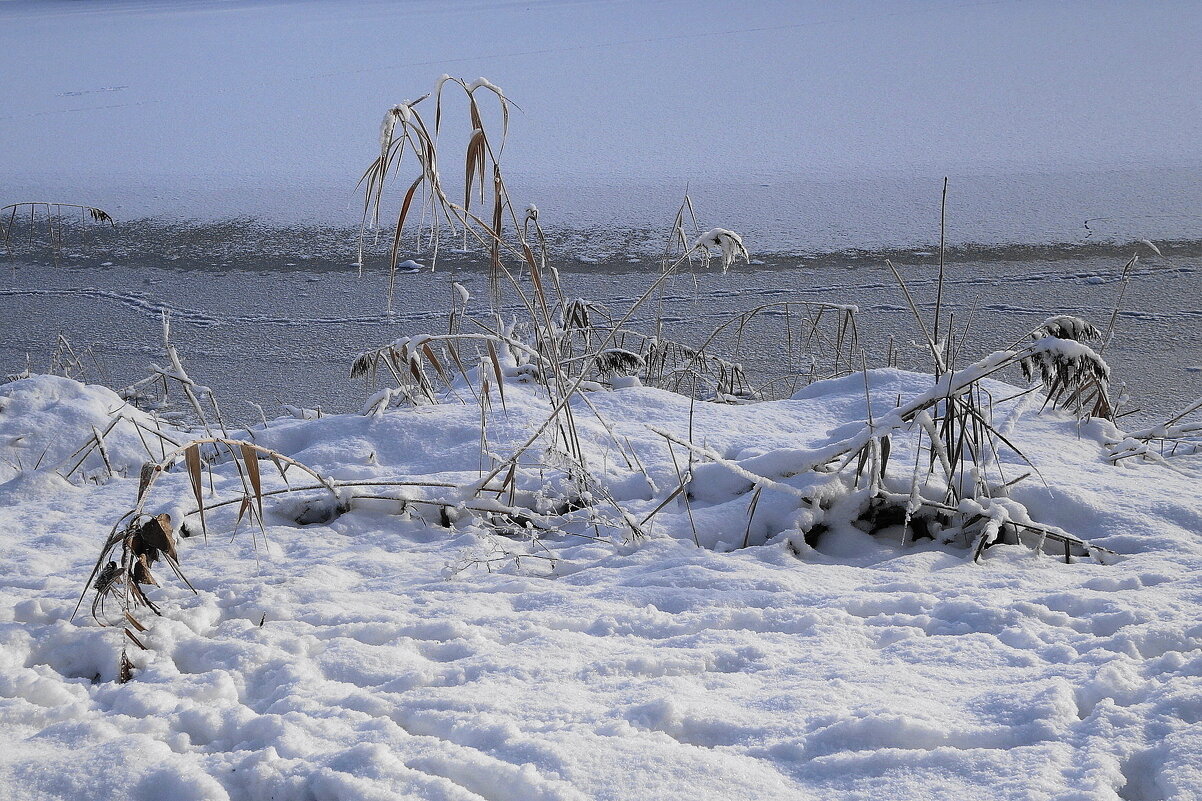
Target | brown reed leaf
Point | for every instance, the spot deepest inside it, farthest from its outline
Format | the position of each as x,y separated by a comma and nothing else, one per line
192,462
496,369
251,459
438,368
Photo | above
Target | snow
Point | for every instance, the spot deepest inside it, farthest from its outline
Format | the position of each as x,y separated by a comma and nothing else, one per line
435,602
381,655
726,242
44,423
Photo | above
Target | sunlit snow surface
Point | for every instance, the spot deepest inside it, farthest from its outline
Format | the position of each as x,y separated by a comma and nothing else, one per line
378,657
384,657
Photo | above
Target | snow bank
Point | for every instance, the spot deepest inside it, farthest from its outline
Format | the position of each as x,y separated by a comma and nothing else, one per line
382,655
46,420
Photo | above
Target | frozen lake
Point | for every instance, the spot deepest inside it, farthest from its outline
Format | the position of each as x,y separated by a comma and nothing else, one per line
259,328
803,125
226,140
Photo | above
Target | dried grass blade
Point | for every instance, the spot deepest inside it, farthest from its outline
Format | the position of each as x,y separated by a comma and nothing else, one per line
495,259
454,352
192,462
679,489
475,167
438,368
474,111
283,468
400,221
243,508
538,281
104,456
144,477
251,459
496,368
755,500
511,479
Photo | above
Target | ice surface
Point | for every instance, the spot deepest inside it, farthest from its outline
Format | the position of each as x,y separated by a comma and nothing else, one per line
798,124
269,333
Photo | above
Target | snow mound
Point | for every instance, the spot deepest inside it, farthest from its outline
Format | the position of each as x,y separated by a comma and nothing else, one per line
45,419
396,652
34,485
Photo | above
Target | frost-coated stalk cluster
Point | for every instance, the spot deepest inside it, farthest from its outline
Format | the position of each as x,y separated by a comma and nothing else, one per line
727,244
576,470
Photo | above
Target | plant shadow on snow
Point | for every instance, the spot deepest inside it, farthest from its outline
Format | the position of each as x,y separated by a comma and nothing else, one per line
567,424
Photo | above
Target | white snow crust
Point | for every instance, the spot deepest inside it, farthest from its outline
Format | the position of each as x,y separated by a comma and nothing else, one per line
381,656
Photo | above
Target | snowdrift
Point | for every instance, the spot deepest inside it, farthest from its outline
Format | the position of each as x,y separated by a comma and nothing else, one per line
407,650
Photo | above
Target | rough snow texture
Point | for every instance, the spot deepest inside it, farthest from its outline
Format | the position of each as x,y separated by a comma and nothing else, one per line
376,658
43,423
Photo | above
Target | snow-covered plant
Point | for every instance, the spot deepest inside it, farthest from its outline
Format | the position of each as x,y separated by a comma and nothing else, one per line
577,313
1073,374
955,491
141,537
516,246
960,494
1064,363
1179,435
500,554
405,130
138,539
153,391
724,243
425,366
821,340
694,371
571,347
618,361
1064,326
149,394
679,237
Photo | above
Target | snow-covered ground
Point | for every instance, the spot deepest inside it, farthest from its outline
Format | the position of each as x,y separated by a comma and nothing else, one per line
744,639
384,655
803,125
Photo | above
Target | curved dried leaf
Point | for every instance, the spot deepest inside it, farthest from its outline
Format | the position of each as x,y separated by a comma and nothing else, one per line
144,476
429,353
496,369
400,222
192,462
251,459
